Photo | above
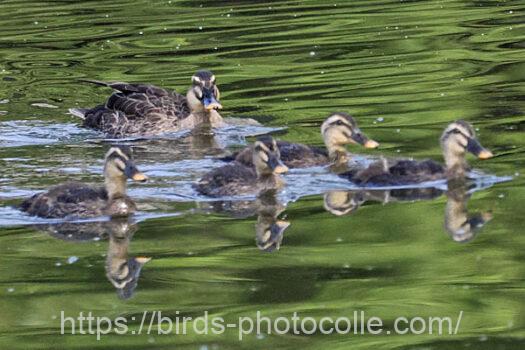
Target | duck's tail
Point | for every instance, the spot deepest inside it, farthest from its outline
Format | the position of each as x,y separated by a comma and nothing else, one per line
79,112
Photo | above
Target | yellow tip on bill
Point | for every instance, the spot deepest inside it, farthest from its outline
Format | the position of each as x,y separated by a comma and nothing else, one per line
371,144
485,154
139,177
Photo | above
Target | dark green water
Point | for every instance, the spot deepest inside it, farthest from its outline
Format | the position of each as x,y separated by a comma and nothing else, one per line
403,68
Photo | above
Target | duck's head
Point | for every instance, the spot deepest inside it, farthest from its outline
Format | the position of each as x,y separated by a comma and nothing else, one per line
340,129
119,165
459,138
204,94
267,158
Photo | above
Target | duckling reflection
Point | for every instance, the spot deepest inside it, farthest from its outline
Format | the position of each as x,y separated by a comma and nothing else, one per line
342,203
461,226
269,229
121,270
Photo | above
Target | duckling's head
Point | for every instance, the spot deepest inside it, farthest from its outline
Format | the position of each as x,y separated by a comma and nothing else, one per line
267,158
203,96
458,138
340,129
119,166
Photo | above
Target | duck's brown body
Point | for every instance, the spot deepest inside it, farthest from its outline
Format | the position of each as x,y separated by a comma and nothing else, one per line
457,139
402,172
78,200
138,109
75,199
293,155
235,179
338,130
239,179
141,109
145,110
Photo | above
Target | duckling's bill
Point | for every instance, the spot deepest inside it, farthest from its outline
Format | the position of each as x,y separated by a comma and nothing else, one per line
363,140
277,166
210,102
134,173
474,147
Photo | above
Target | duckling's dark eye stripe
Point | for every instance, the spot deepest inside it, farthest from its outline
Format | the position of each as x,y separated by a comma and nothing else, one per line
457,131
114,157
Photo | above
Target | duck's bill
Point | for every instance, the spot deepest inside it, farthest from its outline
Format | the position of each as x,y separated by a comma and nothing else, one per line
364,141
277,166
134,174
371,144
211,103
474,147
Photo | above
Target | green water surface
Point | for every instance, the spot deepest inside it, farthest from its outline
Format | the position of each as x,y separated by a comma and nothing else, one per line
404,69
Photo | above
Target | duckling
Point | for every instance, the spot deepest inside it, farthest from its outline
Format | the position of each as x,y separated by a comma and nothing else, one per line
338,130
457,138
145,110
238,179
74,199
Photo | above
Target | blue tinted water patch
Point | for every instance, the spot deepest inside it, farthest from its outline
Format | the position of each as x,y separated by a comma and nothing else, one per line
18,133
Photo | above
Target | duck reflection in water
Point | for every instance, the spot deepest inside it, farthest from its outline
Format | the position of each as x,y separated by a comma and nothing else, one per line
341,203
269,226
121,270
269,229
460,225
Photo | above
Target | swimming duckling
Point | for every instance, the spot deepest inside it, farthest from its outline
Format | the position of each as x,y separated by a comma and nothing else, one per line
338,130
75,199
458,138
143,109
239,179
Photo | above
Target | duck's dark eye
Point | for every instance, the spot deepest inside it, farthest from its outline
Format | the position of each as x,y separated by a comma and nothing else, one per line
339,122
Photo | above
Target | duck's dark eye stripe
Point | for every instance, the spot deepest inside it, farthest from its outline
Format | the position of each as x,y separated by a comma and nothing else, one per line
457,131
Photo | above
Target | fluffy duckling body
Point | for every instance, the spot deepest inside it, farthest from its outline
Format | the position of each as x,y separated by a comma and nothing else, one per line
145,110
338,130
457,139
75,199
237,178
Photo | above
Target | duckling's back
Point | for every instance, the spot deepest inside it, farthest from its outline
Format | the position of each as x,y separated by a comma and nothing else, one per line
402,172
232,179
293,155
69,199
